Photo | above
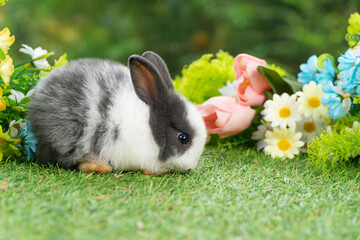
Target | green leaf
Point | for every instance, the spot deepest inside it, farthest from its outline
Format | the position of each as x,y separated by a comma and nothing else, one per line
2,55
10,102
269,94
24,101
279,85
18,108
294,84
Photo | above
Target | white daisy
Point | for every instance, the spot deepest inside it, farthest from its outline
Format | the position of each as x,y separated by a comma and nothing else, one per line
259,134
281,111
309,127
229,90
282,142
310,101
36,53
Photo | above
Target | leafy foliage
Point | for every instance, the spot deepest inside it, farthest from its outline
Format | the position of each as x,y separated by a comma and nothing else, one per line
334,147
23,81
202,79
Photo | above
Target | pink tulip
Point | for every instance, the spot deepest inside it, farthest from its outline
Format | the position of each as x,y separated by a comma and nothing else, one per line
225,116
250,83
248,95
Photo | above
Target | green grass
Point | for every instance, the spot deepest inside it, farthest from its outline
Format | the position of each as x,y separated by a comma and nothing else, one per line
233,194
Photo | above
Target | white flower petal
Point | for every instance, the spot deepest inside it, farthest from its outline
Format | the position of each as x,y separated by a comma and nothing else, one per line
229,90
311,92
16,96
272,140
346,104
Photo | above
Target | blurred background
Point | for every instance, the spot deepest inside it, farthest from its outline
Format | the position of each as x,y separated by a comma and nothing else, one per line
284,32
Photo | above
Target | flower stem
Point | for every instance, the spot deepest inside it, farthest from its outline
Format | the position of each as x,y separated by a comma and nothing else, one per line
23,63
32,69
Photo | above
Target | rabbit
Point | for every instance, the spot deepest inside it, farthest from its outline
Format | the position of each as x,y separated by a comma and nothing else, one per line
99,115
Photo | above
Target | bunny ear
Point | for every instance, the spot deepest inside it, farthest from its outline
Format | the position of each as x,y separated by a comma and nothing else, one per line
160,65
146,80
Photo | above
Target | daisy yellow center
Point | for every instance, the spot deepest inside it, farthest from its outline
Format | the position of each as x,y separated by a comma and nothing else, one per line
284,145
309,127
284,112
314,102
347,95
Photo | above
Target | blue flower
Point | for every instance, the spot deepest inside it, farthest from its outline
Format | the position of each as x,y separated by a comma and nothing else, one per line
346,61
309,71
350,79
337,99
350,71
28,142
328,73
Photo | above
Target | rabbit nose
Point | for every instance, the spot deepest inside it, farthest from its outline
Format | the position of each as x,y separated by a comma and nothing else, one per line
189,170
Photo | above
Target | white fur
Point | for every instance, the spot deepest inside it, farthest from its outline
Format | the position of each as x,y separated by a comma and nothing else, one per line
135,148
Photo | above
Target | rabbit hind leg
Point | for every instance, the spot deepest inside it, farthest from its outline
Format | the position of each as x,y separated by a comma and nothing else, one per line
93,164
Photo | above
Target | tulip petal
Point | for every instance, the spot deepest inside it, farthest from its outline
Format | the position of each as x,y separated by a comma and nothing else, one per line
222,103
249,96
239,121
225,116
222,118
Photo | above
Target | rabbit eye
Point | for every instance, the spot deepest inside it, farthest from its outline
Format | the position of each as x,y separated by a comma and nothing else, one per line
183,138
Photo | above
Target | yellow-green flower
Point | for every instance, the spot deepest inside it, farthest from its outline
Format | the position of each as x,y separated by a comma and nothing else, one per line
6,69
354,26
3,2
5,40
61,61
7,145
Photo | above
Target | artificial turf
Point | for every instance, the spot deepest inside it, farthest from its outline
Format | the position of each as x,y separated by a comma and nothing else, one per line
233,194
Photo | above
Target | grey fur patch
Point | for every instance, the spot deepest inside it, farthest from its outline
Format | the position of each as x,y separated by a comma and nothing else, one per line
116,133
107,88
166,121
55,116
100,132
59,109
